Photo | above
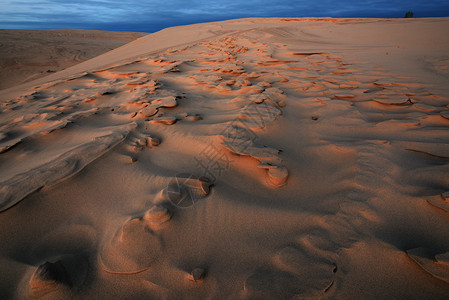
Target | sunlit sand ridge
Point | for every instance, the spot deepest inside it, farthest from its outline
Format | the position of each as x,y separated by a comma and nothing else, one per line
249,159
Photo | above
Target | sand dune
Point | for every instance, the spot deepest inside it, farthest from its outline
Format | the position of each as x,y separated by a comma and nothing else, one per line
249,159
26,55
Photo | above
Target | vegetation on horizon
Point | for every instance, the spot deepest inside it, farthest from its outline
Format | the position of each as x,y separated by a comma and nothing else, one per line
408,14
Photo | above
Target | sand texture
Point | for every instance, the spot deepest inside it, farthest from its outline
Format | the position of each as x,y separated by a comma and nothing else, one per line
245,159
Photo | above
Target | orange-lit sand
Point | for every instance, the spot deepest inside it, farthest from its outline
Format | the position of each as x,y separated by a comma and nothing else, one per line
245,159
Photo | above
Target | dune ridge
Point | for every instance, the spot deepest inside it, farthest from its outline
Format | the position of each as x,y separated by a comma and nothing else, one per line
249,159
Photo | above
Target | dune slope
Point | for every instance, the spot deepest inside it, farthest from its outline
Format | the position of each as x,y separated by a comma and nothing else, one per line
250,159
26,55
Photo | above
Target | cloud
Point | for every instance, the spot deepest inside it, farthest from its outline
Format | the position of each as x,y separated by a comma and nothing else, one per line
154,15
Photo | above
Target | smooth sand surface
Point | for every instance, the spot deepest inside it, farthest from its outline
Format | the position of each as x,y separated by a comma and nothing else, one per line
26,55
245,159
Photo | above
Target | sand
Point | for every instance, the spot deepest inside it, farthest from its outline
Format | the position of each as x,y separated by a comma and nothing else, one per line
245,159
26,55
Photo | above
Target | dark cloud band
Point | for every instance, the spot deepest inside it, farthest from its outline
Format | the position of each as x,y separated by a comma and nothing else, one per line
150,16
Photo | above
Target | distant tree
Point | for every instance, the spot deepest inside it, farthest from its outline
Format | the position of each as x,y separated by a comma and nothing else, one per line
408,14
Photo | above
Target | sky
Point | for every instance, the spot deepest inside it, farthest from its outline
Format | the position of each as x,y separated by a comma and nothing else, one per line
151,15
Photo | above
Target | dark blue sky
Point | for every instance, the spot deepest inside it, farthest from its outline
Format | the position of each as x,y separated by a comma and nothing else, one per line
150,16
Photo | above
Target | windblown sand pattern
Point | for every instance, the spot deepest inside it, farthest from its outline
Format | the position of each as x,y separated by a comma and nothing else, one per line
252,161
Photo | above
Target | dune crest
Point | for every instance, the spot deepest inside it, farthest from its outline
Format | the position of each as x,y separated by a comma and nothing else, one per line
252,158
